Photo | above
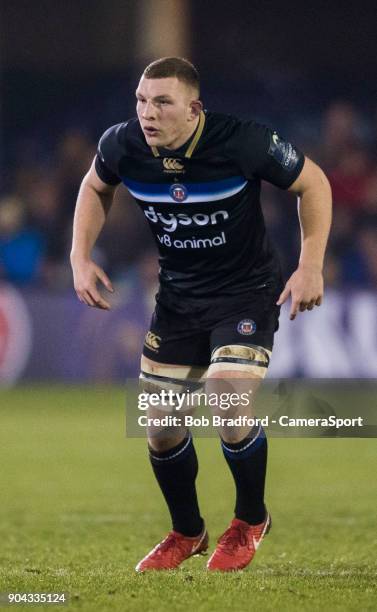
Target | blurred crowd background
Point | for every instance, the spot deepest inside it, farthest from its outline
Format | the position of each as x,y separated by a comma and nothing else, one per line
69,71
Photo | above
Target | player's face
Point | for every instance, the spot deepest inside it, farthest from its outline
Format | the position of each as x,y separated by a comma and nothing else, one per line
168,111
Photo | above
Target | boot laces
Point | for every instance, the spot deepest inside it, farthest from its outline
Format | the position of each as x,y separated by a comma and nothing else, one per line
233,537
172,541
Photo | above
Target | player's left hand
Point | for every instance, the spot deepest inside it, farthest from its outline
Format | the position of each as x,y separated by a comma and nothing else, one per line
306,289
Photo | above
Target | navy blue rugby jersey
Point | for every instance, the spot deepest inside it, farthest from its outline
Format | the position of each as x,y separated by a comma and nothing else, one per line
202,201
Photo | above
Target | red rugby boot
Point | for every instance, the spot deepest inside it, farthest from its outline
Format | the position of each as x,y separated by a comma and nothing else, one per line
237,546
172,551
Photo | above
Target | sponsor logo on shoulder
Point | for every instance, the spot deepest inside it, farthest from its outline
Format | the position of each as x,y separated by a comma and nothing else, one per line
246,327
283,152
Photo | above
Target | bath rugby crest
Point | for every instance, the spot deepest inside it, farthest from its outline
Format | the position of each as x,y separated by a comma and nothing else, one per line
202,201
178,193
246,327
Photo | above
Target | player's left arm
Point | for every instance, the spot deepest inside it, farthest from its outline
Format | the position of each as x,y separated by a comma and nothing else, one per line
314,209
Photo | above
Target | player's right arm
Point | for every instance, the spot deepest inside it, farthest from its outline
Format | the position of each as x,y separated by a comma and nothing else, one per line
93,203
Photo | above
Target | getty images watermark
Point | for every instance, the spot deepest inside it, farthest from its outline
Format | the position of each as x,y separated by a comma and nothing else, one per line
285,408
193,399
175,401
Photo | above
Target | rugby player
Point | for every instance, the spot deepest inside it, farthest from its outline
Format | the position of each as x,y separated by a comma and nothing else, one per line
197,176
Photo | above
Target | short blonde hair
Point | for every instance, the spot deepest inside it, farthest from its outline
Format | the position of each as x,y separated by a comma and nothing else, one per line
178,67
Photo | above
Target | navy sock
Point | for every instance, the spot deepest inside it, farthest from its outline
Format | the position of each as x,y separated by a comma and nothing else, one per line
248,462
176,471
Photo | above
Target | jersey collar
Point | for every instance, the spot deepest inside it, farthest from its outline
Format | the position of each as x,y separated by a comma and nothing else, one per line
192,145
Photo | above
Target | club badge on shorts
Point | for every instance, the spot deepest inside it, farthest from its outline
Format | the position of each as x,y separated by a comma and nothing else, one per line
246,327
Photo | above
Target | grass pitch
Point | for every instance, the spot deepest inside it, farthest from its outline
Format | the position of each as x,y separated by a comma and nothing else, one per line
79,507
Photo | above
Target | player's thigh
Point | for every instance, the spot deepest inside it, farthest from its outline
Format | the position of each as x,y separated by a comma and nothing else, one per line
170,385
241,344
241,350
171,374
235,373
174,362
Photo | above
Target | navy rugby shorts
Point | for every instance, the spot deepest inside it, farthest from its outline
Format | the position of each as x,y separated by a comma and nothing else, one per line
190,339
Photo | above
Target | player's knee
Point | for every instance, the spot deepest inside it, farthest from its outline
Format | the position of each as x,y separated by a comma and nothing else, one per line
239,360
160,395
163,443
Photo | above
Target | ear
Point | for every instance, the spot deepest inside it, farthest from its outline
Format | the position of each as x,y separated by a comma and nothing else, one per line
196,107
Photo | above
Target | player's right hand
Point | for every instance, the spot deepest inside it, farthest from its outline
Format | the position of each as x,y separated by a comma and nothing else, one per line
86,274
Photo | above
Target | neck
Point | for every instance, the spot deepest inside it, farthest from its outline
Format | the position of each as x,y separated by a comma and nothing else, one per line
184,137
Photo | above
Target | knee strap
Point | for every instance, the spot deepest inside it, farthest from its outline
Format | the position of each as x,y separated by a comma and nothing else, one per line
156,382
249,358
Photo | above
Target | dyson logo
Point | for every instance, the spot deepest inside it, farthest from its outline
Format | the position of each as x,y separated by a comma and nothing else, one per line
170,222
